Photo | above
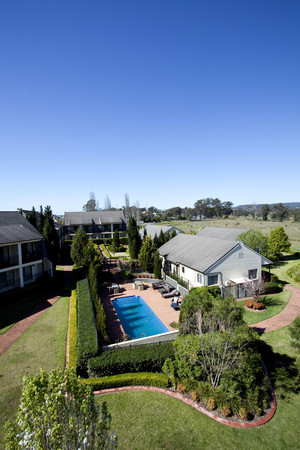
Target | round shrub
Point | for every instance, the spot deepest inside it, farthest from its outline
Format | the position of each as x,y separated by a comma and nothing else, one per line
243,413
249,303
211,404
195,396
181,388
258,305
226,411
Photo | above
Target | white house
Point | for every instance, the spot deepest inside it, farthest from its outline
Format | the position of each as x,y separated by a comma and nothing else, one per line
153,229
23,257
208,261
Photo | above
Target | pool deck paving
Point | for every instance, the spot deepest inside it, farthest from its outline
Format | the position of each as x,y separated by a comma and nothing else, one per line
160,306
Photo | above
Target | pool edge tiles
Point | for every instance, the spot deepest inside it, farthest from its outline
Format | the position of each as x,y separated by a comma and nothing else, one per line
137,318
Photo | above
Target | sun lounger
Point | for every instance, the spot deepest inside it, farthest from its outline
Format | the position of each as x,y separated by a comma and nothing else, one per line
158,285
170,294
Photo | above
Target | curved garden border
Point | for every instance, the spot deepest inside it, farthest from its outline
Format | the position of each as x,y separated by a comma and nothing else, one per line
199,408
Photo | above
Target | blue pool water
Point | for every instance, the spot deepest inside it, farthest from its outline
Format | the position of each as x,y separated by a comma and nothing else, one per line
137,318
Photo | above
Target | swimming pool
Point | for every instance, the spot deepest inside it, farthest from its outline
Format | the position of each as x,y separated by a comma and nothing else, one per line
137,318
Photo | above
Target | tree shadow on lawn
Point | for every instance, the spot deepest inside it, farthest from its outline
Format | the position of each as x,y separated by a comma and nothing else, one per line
284,371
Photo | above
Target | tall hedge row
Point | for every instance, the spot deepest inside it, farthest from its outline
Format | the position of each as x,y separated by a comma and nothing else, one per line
148,358
86,325
129,379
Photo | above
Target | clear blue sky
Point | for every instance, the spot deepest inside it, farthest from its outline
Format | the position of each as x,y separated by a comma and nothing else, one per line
169,101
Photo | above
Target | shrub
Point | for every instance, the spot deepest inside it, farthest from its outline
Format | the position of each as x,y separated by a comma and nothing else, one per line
195,396
294,272
226,411
181,388
129,379
86,325
211,404
258,305
243,413
294,330
126,275
272,287
249,303
73,348
146,358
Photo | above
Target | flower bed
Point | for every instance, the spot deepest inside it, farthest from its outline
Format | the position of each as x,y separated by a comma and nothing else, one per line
254,306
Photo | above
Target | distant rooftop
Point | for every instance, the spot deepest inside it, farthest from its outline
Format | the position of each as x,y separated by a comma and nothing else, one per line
15,228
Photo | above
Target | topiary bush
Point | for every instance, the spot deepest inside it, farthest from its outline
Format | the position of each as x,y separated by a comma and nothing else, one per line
249,303
211,404
258,306
146,358
226,411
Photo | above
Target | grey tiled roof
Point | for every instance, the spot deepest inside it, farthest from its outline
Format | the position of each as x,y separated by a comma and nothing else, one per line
198,253
97,217
230,234
153,229
15,228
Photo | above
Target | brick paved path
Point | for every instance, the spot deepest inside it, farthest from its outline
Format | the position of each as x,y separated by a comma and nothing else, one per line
11,335
285,317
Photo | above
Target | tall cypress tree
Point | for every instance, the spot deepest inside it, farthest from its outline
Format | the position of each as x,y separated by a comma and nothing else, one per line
134,239
32,218
50,234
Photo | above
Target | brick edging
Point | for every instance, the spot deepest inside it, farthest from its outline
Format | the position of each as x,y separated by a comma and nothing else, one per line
199,408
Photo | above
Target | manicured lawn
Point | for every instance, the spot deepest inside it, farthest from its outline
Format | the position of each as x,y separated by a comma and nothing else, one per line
42,346
274,304
12,315
147,420
281,267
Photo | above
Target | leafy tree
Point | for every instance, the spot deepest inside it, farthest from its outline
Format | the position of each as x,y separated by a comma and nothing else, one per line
280,212
91,255
134,239
32,218
157,265
146,256
204,309
59,411
278,242
91,204
79,242
256,240
265,211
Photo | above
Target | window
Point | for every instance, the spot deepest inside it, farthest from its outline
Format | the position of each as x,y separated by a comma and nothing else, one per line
182,269
4,254
212,279
200,278
252,274
27,273
7,279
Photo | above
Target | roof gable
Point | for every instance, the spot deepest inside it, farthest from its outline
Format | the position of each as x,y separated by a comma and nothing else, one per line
196,252
15,228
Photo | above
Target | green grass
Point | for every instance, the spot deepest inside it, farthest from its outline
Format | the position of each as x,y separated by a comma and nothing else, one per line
292,229
274,304
281,267
148,420
13,314
42,346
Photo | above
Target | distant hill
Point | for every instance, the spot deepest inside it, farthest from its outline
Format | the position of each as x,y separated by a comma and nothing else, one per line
291,205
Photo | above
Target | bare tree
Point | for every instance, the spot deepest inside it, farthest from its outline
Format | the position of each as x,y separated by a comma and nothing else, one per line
127,210
254,287
107,202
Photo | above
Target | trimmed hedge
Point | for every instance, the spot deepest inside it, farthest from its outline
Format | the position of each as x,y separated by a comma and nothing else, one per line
146,358
73,346
86,325
129,379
